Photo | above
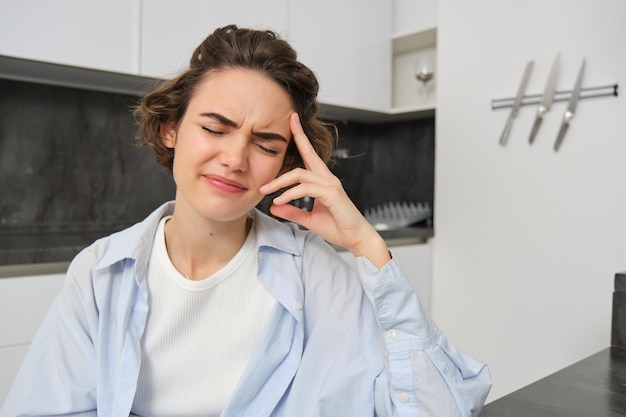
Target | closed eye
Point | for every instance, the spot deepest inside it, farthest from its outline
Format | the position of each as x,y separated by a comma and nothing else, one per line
266,149
270,143
212,131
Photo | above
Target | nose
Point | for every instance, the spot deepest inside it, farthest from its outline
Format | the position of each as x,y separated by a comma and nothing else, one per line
234,154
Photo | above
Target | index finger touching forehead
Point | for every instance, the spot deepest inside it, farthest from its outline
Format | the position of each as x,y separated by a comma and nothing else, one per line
308,153
302,141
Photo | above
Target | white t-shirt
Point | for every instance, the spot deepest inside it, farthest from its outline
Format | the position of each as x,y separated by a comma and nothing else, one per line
200,335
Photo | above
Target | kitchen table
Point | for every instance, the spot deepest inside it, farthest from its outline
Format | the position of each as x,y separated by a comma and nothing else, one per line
593,387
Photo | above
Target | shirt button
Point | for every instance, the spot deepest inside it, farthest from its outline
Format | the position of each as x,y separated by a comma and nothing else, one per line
298,305
403,397
261,257
392,334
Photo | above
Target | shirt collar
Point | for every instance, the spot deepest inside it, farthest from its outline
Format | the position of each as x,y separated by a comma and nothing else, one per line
275,234
136,241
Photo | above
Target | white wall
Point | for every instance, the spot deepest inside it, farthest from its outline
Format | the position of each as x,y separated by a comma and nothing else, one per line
527,241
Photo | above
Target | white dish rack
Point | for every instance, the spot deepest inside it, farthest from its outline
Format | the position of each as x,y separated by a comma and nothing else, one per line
396,215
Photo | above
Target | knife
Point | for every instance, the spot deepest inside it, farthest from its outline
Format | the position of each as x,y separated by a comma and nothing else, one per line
546,99
571,107
516,105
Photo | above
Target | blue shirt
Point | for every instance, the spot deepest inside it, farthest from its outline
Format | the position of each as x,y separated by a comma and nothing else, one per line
339,343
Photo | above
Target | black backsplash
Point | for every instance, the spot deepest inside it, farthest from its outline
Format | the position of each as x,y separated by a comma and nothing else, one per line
387,162
70,170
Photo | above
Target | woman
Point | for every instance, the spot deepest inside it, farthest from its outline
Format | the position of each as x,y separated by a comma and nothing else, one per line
209,307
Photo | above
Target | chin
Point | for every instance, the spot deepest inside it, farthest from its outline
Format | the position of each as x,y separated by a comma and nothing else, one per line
222,215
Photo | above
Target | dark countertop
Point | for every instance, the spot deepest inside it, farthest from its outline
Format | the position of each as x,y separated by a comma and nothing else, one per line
407,235
37,247
593,387
404,236
21,253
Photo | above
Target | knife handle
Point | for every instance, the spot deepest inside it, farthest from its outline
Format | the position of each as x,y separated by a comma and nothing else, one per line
535,128
561,135
507,131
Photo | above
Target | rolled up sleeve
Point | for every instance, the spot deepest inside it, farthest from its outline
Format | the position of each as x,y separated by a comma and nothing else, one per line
426,374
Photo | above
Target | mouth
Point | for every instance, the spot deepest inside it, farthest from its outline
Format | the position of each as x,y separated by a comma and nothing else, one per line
224,184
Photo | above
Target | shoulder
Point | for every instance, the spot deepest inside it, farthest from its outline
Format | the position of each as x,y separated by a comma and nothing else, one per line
132,243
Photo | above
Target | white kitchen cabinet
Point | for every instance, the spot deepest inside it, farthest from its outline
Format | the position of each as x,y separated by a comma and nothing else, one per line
11,358
416,261
97,34
171,31
362,51
414,50
346,43
413,16
23,303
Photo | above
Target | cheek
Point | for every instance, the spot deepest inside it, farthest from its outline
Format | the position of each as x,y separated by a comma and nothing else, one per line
281,167
195,150
269,169
277,170
187,156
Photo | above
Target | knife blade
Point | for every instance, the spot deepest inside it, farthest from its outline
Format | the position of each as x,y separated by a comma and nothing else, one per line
546,99
516,105
571,107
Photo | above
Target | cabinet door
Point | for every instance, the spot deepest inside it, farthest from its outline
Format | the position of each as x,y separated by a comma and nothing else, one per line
11,358
410,16
348,45
415,260
97,34
171,31
23,303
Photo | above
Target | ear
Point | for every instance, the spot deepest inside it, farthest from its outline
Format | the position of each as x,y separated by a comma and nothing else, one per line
168,134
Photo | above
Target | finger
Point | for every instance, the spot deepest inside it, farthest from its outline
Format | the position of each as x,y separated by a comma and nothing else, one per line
291,178
290,213
294,193
310,158
285,180
306,185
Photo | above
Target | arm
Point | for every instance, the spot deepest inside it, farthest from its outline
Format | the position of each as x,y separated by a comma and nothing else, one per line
334,217
57,376
426,375
426,371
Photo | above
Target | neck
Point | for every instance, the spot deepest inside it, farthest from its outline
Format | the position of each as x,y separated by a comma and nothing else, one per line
197,251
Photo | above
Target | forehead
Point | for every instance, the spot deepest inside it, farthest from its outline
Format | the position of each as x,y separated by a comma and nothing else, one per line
239,81
241,94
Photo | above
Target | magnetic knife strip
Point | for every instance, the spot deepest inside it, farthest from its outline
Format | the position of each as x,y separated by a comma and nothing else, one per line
546,99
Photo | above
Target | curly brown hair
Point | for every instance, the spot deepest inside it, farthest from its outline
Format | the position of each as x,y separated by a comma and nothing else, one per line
232,47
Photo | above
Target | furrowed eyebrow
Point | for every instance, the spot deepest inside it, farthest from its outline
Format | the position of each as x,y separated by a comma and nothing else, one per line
263,135
270,136
220,118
